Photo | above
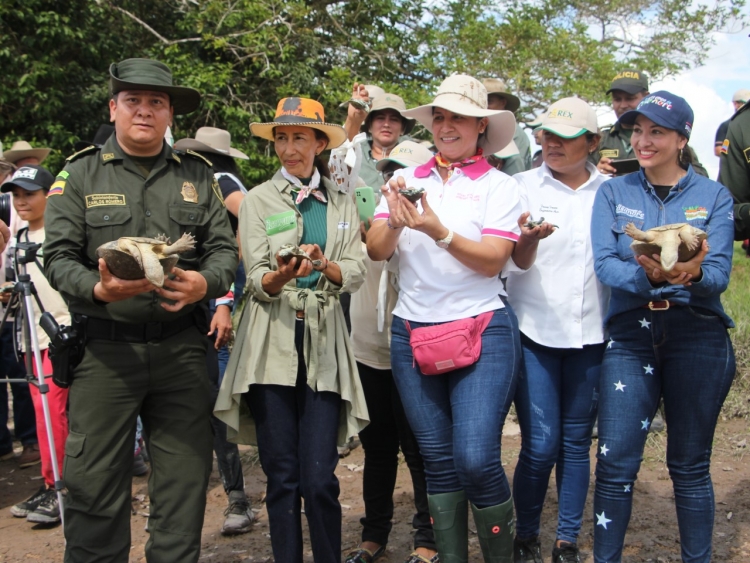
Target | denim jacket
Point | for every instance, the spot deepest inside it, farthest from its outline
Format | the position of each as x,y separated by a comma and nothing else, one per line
696,200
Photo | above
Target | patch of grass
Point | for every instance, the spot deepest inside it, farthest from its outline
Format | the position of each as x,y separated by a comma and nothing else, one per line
736,301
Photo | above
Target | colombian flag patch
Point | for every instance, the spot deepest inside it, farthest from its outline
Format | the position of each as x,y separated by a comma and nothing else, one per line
57,188
725,146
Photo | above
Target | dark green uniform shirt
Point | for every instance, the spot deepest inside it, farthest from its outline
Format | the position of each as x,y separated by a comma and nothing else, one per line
734,171
101,196
615,144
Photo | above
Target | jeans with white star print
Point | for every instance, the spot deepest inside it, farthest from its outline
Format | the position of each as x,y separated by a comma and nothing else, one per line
683,354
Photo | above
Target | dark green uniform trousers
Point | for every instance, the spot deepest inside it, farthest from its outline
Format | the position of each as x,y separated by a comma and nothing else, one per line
166,382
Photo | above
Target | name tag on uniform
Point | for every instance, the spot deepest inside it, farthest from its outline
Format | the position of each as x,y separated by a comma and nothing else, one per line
343,225
609,153
96,200
280,222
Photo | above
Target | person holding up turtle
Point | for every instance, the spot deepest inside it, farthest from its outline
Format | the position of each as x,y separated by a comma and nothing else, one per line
145,347
655,313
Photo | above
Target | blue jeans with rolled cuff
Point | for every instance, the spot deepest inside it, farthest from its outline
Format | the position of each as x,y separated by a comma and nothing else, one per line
684,355
297,430
556,403
458,417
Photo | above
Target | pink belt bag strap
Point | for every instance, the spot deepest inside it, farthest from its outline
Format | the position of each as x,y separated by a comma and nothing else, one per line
448,346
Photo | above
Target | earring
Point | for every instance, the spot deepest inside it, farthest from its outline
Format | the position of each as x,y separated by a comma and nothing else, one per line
680,155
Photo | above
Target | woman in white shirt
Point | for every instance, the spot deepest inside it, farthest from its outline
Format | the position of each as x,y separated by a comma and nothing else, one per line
560,306
452,246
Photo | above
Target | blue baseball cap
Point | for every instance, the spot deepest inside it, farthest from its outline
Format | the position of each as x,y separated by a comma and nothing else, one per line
664,109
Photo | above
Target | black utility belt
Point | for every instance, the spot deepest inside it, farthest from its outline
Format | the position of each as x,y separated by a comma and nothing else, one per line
136,333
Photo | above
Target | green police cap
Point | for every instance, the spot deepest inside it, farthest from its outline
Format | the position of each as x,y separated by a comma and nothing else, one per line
631,81
147,74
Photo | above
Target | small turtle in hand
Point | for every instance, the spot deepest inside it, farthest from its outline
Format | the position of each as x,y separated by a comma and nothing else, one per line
135,258
412,194
533,224
289,251
677,242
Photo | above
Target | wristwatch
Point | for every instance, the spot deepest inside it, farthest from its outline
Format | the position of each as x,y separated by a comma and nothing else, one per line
445,242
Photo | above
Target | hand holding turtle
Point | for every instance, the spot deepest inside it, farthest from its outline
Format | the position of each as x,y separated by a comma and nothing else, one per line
359,101
537,232
394,199
110,288
427,221
186,287
681,274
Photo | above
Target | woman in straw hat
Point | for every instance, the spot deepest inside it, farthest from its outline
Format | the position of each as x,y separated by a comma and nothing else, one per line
556,399
292,369
451,248
667,328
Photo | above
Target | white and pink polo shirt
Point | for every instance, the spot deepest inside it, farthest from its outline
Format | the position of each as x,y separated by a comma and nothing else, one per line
477,201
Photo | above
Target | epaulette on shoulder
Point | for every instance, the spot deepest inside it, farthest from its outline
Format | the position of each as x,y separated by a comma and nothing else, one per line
196,155
606,128
88,150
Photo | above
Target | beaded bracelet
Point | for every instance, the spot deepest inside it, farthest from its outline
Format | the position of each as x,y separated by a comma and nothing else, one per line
388,222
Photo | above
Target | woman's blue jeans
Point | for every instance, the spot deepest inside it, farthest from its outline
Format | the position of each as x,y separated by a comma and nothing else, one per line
556,402
457,417
684,355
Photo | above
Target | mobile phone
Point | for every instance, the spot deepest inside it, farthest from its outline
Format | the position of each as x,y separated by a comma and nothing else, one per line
625,166
365,204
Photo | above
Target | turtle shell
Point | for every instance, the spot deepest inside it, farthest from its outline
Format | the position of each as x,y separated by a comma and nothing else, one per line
412,194
124,266
289,251
684,254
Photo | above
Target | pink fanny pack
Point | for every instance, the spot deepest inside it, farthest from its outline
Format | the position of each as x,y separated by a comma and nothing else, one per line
448,346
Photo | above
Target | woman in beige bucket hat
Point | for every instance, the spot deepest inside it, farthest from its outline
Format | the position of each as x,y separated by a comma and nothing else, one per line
451,250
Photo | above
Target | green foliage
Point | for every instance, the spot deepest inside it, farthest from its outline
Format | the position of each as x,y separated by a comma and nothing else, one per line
244,55
736,302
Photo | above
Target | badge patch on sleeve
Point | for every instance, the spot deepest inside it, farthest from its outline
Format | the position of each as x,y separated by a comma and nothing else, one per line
725,146
58,188
217,190
746,152
97,200
609,153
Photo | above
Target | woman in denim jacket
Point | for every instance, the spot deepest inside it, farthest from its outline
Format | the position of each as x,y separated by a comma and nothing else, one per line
668,330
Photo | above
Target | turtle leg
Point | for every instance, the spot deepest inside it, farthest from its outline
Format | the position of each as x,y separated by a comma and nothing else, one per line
152,268
669,253
635,233
131,248
687,236
185,242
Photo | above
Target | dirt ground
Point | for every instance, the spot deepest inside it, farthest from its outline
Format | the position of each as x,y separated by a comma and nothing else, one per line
652,535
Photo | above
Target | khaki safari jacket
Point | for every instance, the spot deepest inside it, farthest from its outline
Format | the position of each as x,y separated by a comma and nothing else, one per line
101,196
264,352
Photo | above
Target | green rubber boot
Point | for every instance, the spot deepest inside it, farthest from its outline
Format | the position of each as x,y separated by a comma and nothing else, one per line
449,514
495,528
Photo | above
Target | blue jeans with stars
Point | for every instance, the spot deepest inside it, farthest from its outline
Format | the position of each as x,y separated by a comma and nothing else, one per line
683,354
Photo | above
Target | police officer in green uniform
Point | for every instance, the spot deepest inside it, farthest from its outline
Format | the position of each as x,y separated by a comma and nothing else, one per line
145,349
734,171
628,88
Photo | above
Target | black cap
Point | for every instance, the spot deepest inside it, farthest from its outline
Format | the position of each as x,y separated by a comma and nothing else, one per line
30,178
631,81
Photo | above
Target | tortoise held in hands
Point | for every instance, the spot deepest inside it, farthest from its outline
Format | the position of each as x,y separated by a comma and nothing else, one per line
677,242
135,258
289,251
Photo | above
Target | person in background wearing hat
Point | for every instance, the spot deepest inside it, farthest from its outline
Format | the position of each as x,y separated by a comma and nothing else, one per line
451,252
654,314
384,124
24,421
556,397
145,346
500,159
498,98
30,185
22,153
628,88
734,170
215,145
371,317
292,365
739,99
